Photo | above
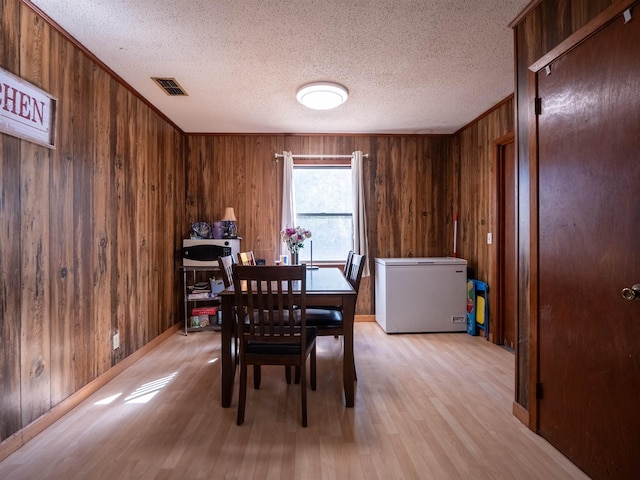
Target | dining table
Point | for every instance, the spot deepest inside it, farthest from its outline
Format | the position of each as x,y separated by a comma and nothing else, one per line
325,286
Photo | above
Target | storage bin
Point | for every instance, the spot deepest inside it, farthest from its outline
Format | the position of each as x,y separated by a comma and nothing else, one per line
477,307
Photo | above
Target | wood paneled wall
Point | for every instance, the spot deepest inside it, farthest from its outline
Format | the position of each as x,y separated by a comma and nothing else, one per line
87,231
411,186
539,29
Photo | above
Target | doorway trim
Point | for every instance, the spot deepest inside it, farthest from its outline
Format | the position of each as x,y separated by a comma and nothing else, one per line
496,297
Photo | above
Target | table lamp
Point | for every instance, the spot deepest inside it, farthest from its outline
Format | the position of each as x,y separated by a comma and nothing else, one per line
229,217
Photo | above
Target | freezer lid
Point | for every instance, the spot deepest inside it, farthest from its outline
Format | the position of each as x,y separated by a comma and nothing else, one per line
420,261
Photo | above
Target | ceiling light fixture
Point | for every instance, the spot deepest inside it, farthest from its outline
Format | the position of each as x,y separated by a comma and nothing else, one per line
322,95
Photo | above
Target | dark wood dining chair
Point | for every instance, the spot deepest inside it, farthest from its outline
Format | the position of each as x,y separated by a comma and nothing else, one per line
329,321
345,271
246,258
226,264
272,331
226,271
324,316
355,270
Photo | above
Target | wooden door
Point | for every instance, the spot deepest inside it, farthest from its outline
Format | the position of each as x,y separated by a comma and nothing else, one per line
589,233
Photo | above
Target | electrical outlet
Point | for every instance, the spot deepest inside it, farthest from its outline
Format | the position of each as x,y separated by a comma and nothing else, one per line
115,340
489,238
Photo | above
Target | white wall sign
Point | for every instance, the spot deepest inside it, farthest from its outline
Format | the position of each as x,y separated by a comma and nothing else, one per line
26,111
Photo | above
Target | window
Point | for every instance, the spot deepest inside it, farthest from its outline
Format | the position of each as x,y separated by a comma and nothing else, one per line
323,202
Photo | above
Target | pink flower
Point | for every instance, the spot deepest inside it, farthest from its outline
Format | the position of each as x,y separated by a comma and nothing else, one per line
294,238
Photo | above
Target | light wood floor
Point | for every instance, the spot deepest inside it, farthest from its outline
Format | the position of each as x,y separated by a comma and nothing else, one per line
432,406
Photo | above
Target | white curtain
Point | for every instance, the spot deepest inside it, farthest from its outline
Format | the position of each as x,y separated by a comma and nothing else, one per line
360,242
288,205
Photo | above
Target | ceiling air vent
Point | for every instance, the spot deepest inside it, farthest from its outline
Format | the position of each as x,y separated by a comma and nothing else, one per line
170,86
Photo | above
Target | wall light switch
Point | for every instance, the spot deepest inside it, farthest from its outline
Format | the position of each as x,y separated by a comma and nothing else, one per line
116,341
489,238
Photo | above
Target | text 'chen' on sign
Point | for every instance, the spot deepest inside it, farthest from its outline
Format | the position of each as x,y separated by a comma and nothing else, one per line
26,111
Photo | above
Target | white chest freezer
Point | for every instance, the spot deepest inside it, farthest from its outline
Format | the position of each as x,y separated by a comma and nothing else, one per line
427,294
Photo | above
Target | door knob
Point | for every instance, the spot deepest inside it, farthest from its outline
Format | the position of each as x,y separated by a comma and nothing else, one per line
632,293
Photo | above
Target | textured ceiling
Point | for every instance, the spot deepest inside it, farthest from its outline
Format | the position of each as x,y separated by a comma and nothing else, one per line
422,66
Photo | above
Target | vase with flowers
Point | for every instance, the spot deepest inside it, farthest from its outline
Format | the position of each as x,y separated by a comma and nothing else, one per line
294,239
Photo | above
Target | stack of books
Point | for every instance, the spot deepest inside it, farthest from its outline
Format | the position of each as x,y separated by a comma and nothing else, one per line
201,290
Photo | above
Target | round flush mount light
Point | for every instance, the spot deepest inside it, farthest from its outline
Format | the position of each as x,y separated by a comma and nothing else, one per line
322,95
